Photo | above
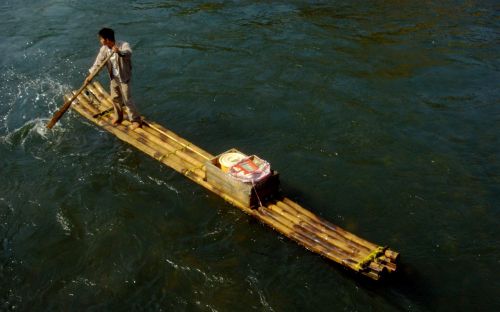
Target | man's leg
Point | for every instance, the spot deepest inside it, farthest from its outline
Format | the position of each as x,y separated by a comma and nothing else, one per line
129,106
117,98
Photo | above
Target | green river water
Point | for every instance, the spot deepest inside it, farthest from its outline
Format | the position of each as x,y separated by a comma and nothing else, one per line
382,117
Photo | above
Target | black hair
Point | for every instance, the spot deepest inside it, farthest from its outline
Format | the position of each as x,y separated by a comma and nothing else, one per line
107,33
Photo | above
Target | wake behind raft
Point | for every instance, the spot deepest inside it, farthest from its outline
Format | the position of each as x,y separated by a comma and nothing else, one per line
245,181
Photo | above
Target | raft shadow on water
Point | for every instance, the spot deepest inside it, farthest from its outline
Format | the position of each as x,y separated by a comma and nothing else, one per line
407,282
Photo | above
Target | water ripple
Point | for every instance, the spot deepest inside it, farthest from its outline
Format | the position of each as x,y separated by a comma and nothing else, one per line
209,278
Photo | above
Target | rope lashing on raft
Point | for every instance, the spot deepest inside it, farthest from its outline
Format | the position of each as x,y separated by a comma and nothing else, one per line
103,113
370,257
188,146
170,154
93,98
193,169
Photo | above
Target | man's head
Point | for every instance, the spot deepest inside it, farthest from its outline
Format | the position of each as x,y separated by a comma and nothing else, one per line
107,37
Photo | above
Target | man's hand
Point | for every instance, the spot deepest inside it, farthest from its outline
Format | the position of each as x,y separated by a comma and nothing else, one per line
115,49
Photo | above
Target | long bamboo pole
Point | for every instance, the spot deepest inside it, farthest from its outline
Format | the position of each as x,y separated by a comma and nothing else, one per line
169,148
66,105
147,147
106,124
169,134
351,238
322,227
388,263
285,226
353,253
159,129
162,145
391,254
327,224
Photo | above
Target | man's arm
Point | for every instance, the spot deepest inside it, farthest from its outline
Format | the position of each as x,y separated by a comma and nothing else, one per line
101,57
123,50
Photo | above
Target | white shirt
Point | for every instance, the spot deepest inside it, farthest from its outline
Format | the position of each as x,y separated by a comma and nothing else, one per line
114,64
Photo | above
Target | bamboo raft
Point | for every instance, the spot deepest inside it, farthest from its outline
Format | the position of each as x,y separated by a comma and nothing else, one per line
279,212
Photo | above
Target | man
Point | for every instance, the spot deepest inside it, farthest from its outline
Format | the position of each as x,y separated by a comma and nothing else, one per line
120,71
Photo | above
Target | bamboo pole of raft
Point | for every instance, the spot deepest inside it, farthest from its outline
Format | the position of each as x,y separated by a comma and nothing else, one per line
322,227
161,137
147,147
162,134
307,240
169,148
286,227
164,145
391,254
353,253
348,250
387,262
182,149
67,104
327,224
328,243
160,129
169,134
342,241
347,246
122,135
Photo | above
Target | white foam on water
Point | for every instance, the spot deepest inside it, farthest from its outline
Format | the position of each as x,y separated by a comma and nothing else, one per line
253,282
63,222
84,281
209,278
31,97
23,97
31,131
26,105
26,130
140,179
160,182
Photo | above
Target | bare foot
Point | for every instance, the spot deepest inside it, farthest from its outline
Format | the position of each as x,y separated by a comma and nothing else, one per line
135,125
116,121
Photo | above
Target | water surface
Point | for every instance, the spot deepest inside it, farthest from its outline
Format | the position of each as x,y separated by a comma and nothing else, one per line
381,117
